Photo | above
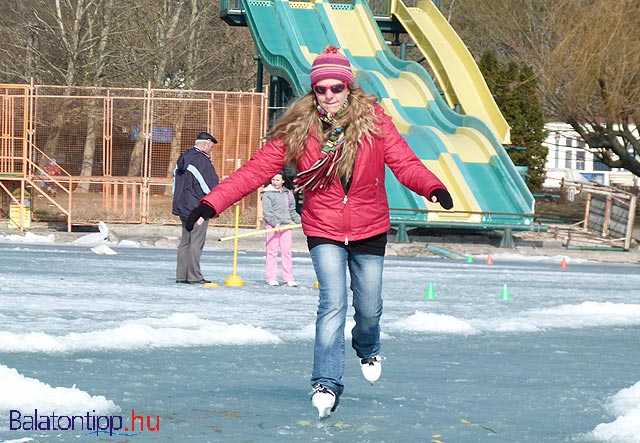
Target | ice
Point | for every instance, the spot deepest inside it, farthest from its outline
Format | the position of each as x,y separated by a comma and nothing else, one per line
28,238
140,334
556,363
434,323
27,394
583,315
626,427
103,250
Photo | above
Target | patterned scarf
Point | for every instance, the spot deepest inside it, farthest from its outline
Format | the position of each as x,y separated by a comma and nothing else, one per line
325,169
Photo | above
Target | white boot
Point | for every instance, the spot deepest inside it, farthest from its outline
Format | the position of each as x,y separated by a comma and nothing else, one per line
371,368
324,400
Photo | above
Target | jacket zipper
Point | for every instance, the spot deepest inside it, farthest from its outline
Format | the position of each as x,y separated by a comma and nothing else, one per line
344,202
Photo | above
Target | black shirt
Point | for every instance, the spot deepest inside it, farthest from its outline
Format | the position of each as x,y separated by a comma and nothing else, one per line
375,245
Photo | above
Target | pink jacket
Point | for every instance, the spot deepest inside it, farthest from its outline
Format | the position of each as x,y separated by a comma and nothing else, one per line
364,211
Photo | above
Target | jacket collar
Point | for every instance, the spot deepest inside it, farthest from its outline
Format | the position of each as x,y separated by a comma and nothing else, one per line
270,188
201,152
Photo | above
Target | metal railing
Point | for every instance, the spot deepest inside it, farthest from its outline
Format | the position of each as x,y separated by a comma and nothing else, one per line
116,149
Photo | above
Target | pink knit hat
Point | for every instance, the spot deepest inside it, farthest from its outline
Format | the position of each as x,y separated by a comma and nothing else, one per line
331,64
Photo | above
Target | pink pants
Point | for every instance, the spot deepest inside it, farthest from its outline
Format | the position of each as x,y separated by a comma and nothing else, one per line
279,240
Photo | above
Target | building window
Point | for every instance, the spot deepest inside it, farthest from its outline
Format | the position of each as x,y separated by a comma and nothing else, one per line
568,158
569,142
581,143
556,151
599,166
580,160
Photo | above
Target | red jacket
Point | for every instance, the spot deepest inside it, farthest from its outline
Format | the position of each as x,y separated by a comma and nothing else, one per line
364,211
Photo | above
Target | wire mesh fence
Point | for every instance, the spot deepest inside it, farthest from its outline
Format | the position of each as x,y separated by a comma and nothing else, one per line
90,154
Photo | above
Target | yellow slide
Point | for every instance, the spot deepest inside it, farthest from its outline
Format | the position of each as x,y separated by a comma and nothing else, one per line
453,65
462,150
356,32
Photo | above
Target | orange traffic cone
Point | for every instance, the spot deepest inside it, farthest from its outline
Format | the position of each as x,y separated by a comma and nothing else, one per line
563,263
489,260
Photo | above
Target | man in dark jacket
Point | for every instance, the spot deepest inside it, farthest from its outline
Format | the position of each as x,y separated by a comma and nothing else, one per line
194,176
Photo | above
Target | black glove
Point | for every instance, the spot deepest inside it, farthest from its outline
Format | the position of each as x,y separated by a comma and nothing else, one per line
443,197
204,211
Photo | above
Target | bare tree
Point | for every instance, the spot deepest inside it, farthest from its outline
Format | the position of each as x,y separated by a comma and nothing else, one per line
51,41
19,39
63,23
183,44
594,73
190,77
101,26
586,55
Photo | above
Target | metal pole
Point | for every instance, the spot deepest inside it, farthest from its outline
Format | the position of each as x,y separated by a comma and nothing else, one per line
260,231
259,74
234,279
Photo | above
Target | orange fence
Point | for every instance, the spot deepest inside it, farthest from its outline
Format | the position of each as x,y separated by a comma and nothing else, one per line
115,150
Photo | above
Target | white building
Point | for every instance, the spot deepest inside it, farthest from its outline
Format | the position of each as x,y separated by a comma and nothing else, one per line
566,157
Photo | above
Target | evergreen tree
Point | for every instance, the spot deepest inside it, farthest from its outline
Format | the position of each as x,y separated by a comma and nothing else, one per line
514,87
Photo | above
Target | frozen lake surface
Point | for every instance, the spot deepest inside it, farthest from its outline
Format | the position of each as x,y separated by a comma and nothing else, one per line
101,336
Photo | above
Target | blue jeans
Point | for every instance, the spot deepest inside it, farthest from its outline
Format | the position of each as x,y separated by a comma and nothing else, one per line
330,263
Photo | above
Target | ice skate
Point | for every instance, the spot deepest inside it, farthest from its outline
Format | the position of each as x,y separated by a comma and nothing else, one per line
371,368
324,399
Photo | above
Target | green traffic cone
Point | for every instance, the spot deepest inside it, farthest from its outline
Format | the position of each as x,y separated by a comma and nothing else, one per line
469,258
505,293
431,293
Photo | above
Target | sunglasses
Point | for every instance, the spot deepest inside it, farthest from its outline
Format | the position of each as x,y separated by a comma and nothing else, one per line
336,89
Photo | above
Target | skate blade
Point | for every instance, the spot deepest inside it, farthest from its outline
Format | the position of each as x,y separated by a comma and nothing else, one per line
324,412
323,406
371,376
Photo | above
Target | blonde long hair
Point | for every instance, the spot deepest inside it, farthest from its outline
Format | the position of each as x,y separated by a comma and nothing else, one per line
301,120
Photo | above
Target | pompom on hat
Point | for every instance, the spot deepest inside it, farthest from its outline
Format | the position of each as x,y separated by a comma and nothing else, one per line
331,64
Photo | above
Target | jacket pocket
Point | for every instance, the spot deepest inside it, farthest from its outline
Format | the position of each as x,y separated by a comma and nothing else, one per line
377,187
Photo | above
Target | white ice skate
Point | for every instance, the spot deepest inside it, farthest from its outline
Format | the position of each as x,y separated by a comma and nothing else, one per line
371,368
324,400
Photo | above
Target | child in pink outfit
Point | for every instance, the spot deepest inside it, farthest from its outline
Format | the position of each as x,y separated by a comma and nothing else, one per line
279,208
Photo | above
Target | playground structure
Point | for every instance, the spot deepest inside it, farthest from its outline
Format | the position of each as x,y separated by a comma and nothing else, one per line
456,130
115,150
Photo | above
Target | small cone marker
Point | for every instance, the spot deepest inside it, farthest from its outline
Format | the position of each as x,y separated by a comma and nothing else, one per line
489,260
469,258
563,264
505,293
431,293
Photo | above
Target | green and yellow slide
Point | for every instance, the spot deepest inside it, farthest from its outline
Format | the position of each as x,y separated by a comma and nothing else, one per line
463,148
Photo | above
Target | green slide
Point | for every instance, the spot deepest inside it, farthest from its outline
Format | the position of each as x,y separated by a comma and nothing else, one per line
461,149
